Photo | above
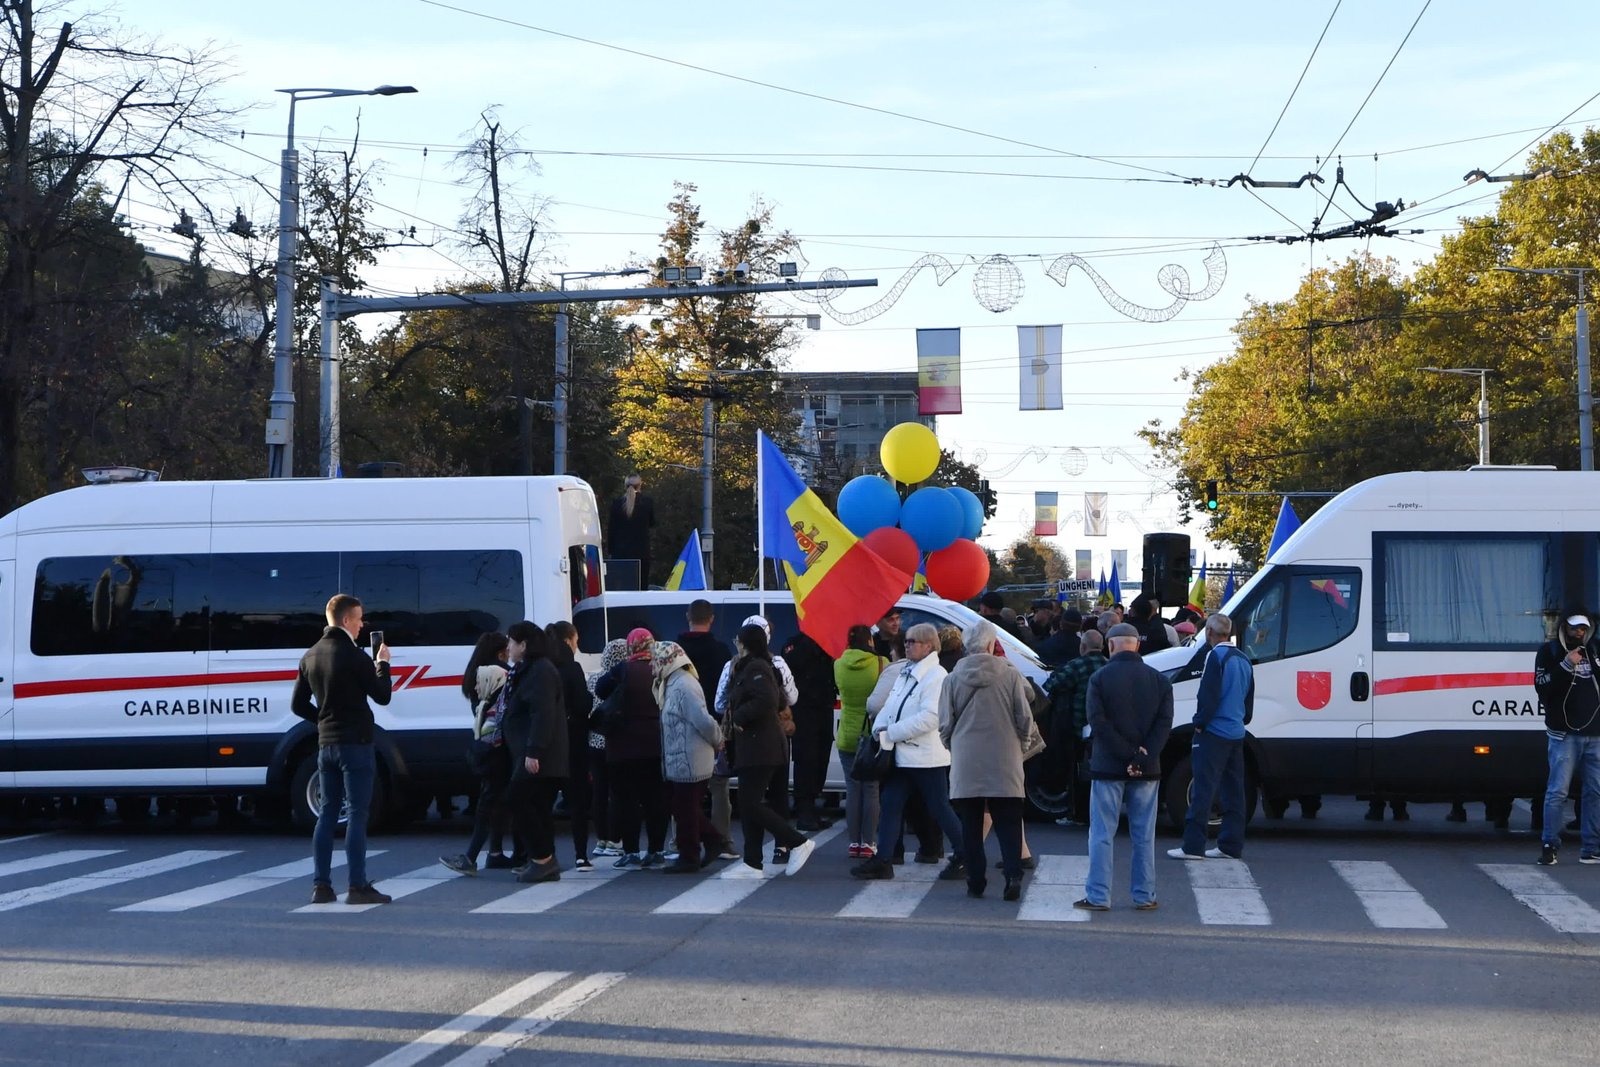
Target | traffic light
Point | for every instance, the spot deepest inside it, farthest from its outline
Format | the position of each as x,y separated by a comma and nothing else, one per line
1211,496
988,498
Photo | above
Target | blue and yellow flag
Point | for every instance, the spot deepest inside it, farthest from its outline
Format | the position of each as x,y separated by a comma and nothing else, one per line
836,580
690,570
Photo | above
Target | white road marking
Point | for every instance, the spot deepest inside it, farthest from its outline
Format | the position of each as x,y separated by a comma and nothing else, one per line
1226,894
471,1020
238,886
400,886
892,899
1390,900
1049,892
538,1020
25,837
713,896
54,859
1564,911
546,895
38,894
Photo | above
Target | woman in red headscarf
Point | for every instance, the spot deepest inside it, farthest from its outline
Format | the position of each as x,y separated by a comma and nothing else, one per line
633,755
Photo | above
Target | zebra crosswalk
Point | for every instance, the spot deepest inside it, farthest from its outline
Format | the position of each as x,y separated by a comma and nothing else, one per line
1266,891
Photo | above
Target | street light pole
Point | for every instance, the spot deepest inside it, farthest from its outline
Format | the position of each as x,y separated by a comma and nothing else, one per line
1483,404
1585,400
563,369
280,419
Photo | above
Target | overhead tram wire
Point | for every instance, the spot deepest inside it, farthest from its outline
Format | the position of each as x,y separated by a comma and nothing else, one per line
1296,88
1384,73
805,93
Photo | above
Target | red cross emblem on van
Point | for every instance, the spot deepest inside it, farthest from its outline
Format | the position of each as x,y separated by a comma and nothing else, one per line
1314,688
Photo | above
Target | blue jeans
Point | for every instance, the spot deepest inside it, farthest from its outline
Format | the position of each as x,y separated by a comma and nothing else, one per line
1571,753
860,804
1105,807
1218,775
934,785
343,771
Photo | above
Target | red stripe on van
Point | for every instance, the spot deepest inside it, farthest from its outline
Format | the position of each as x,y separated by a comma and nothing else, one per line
1427,683
70,686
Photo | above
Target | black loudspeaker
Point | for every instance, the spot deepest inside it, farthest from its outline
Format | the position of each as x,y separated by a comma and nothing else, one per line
1166,568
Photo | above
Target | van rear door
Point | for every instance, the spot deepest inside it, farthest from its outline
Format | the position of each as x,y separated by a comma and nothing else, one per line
8,617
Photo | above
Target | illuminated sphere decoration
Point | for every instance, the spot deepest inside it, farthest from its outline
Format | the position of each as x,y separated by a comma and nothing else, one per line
998,284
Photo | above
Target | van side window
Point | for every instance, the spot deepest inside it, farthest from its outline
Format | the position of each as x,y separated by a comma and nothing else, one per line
1469,593
436,598
95,605
1299,610
264,600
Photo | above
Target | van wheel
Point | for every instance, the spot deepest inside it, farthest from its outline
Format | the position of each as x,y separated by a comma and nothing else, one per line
1178,784
1048,790
305,797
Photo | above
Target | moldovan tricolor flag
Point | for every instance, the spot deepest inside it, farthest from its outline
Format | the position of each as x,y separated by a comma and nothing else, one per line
836,580
938,372
1197,591
1039,367
1044,514
690,570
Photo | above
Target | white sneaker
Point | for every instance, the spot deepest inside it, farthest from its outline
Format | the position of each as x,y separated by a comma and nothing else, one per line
1180,854
798,856
1217,854
744,870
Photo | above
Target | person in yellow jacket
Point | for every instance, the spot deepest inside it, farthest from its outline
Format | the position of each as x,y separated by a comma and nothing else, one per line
856,674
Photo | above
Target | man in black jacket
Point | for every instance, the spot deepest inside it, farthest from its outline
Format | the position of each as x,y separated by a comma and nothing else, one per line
812,743
336,679
628,530
1130,716
1566,675
709,657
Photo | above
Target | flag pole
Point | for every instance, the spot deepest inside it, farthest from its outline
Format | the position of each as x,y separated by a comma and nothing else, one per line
761,529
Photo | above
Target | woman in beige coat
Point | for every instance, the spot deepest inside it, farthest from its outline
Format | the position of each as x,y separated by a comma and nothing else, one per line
985,721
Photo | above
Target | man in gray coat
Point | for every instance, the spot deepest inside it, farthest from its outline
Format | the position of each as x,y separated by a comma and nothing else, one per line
1130,716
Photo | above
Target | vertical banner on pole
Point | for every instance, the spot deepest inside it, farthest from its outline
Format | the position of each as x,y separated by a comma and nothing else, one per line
1044,514
1094,513
1039,368
1119,560
939,372
1083,572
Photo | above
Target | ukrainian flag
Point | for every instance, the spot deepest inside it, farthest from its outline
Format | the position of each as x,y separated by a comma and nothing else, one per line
836,580
690,570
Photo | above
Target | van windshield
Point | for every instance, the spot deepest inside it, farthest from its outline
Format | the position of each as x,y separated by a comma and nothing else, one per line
1297,610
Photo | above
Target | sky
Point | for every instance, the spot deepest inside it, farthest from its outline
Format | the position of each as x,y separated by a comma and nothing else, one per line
882,133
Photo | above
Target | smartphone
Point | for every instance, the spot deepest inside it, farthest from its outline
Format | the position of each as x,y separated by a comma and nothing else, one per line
377,640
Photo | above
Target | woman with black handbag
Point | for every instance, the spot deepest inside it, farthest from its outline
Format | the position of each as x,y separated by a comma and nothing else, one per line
484,685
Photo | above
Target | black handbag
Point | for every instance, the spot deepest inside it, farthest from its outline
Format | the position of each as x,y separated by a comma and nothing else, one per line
873,761
478,753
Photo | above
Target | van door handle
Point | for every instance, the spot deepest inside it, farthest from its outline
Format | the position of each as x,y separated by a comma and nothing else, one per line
1360,687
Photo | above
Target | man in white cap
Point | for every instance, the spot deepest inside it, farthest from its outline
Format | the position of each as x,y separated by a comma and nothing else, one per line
1566,675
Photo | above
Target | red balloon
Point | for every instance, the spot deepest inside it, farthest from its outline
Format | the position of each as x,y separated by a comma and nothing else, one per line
959,572
896,548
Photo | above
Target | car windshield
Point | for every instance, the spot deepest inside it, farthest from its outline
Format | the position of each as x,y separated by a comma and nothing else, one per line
964,616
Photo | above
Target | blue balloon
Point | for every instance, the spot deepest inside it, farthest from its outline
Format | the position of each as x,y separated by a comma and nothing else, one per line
868,503
933,518
971,509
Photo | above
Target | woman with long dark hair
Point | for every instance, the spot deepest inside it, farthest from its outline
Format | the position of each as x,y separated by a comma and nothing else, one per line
579,702
535,727
759,753
483,684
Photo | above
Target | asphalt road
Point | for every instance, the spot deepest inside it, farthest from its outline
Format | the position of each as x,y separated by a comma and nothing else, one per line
1336,941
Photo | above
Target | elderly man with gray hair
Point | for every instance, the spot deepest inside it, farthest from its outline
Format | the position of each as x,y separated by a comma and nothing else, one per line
908,726
1130,715
1227,697
985,719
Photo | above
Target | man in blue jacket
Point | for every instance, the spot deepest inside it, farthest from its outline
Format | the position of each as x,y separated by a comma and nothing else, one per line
1227,697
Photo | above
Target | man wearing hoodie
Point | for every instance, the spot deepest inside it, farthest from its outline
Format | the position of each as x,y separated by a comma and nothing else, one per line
1222,709
1566,675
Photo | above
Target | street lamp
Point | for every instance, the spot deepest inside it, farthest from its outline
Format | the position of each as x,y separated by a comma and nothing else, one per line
280,421
564,359
1483,404
1585,400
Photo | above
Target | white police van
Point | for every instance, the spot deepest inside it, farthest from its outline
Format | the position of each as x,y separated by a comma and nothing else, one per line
156,643
1393,638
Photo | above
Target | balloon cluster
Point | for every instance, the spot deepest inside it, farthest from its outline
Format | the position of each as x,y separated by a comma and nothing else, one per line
943,523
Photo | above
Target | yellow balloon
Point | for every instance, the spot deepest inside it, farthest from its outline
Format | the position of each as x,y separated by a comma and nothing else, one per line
910,452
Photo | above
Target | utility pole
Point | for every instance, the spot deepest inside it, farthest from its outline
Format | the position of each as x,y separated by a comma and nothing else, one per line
1483,404
563,370
1585,399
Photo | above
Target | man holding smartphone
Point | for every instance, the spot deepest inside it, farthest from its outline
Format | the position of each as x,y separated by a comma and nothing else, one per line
336,679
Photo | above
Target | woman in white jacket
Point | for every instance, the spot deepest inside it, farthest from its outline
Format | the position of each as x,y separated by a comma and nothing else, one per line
908,725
